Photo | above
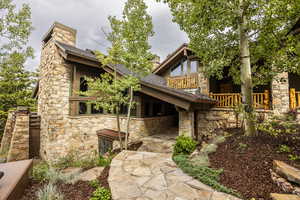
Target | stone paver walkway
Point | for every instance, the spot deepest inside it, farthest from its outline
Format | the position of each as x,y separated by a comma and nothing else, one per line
154,176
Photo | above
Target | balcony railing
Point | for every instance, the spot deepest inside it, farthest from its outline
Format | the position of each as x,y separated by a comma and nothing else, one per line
230,100
183,82
294,98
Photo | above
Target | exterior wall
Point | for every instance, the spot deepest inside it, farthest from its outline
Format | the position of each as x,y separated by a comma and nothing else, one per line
186,123
217,118
19,144
280,93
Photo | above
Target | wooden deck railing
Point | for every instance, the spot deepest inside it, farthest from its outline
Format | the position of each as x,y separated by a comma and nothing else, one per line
183,82
294,98
230,100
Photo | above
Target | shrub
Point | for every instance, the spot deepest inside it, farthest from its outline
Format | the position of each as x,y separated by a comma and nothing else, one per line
101,194
49,192
104,161
284,149
204,174
39,172
94,183
184,145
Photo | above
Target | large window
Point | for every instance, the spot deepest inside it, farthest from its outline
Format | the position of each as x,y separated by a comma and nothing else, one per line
184,67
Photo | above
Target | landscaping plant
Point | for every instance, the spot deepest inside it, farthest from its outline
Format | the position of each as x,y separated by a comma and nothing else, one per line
49,192
184,145
101,193
129,38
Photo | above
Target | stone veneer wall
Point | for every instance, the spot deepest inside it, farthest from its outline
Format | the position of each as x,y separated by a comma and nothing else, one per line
19,143
280,93
186,123
217,118
8,132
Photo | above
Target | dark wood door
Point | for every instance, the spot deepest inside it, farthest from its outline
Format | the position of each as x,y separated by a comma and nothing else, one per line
34,136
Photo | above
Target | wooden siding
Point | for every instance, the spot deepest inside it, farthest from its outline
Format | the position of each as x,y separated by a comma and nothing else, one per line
184,82
230,100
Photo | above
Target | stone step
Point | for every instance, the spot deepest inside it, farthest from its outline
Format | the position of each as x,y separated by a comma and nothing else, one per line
276,196
290,173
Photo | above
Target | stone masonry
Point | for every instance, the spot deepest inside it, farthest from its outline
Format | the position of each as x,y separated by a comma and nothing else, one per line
280,93
8,132
19,143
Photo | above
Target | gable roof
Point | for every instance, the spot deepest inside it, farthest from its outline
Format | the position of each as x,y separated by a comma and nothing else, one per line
179,52
149,83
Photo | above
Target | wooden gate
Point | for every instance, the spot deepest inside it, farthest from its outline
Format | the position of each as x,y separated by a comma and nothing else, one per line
34,135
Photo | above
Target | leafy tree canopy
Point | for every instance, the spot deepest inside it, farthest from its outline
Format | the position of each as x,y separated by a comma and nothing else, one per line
213,29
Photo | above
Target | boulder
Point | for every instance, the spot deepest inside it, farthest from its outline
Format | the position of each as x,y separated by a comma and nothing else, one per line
90,174
72,171
290,173
276,196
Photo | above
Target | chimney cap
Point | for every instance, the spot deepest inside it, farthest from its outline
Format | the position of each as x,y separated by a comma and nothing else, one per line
47,36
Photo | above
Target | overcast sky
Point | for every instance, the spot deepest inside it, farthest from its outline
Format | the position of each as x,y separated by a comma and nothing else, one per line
89,16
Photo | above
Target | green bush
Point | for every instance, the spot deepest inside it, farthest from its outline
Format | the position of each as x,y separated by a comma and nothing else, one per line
104,162
40,171
94,183
184,145
284,149
204,174
101,194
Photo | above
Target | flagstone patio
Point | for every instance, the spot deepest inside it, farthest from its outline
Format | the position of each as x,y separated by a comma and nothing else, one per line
152,176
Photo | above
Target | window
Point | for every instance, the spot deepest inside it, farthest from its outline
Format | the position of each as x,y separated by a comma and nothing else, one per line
82,108
96,110
193,66
184,67
83,85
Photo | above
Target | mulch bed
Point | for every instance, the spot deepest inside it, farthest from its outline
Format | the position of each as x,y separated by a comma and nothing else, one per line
246,170
79,191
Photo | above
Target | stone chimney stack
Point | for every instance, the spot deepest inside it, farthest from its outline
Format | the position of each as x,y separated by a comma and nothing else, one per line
61,33
156,62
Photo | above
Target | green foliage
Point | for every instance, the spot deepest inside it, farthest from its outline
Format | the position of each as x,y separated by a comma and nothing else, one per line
105,161
242,146
184,145
204,174
214,33
278,127
39,171
284,149
101,194
49,192
72,159
94,183
294,157
15,81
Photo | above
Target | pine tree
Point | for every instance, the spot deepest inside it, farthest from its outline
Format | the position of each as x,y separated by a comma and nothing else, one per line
15,81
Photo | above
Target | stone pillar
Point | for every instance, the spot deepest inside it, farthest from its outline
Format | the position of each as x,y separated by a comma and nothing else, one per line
203,82
186,123
19,145
7,135
280,93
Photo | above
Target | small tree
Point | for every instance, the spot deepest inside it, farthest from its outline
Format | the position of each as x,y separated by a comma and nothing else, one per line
15,81
130,48
226,33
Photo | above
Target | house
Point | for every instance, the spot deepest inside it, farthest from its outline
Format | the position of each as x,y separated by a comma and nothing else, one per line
175,97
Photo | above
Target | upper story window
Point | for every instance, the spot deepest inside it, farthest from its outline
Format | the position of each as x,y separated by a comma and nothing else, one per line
184,67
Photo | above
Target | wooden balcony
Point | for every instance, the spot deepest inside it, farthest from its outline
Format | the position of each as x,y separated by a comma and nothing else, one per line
230,100
294,99
183,82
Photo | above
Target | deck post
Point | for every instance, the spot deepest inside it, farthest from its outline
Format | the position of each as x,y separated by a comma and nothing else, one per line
293,104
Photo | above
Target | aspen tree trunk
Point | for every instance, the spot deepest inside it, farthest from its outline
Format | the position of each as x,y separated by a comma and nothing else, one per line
246,79
117,112
128,117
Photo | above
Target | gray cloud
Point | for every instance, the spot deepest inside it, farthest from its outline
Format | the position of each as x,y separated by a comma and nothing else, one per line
90,16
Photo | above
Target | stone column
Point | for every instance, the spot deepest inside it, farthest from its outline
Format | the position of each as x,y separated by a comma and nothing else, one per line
203,82
186,123
19,145
280,93
9,126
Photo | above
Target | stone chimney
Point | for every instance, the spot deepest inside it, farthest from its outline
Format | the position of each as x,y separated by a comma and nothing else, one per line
61,33
156,62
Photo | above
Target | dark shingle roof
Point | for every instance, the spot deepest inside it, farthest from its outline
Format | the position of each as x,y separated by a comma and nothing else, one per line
151,80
